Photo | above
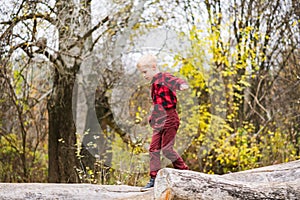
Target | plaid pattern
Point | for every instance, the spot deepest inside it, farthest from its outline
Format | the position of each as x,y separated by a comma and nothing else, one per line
163,94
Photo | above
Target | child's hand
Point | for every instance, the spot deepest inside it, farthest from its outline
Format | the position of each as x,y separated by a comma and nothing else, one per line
183,86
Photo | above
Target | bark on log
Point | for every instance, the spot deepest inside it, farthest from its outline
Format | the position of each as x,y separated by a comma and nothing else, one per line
50,191
274,182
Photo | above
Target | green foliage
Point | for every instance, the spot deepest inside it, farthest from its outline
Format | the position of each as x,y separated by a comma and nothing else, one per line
222,139
23,151
13,168
277,147
238,151
129,164
9,157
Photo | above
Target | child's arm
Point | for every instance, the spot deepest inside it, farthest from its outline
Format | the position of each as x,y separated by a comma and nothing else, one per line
175,83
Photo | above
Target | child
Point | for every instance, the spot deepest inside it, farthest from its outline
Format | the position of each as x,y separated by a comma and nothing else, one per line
164,118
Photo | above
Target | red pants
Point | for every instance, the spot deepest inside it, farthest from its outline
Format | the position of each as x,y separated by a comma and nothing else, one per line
163,139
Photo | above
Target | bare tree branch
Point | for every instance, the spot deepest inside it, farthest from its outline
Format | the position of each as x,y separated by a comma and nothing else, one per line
12,23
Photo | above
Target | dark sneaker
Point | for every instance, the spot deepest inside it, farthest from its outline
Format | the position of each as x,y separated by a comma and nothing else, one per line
149,185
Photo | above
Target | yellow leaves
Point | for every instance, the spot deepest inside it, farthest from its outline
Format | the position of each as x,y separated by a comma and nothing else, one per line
187,69
295,23
195,75
231,116
182,34
219,58
202,125
238,88
89,171
18,81
137,150
139,115
228,73
248,29
194,156
244,83
192,37
111,32
228,143
256,36
239,151
138,119
136,26
195,34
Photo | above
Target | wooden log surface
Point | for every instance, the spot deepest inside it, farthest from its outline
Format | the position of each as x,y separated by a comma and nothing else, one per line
51,191
274,182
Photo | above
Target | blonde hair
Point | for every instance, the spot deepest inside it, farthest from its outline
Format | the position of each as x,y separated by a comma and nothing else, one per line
146,61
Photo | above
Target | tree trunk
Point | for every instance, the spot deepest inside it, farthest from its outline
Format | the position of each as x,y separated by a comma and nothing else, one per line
63,162
34,191
62,139
273,182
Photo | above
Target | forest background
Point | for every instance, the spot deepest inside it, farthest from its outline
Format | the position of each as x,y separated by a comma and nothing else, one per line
74,108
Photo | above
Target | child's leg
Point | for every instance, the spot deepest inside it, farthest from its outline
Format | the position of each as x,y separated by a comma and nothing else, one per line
154,151
168,141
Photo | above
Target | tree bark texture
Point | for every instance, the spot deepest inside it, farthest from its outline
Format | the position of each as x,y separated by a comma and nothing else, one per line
274,182
62,139
49,191
63,162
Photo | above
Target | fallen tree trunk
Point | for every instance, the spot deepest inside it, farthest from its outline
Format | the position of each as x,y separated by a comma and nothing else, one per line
50,191
274,182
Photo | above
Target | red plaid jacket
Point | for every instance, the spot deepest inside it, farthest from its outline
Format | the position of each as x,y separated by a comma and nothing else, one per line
163,94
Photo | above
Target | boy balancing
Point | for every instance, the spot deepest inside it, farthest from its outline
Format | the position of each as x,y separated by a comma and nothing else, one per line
164,119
